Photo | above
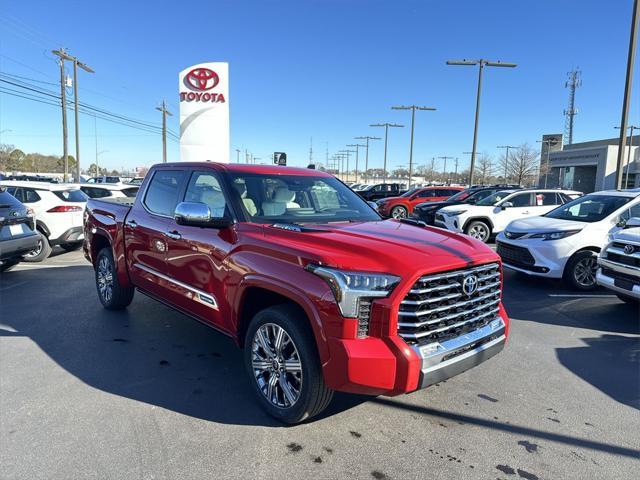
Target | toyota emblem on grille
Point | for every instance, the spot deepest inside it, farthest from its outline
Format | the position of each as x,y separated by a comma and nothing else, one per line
629,249
202,79
470,285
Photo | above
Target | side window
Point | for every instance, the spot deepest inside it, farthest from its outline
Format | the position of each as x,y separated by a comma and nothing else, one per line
633,211
545,199
204,188
16,192
163,191
485,193
425,193
521,200
30,196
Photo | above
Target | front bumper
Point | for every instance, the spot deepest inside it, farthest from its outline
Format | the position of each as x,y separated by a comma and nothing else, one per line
550,257
450,223
18,247
630,275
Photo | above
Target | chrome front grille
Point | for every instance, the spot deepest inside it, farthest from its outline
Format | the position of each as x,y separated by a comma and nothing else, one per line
438,308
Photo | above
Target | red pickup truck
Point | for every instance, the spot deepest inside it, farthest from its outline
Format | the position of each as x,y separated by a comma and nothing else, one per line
319,290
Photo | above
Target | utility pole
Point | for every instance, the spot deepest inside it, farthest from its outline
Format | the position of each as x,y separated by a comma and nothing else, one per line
386,126
573,83
366,158
76,63
481,64
413,109
347,154
445,168
506,160
455,175
358,146
237,155
63,97
163,108
630,147
627,91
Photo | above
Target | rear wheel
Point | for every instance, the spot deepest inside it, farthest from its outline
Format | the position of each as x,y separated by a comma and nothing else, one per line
580,272
399,212
112,295
70,247
282,361
478,230
42,251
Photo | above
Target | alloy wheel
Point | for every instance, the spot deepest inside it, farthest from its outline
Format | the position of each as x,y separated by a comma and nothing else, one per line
585,271
36,251
105,279
479,232
277,367
399,212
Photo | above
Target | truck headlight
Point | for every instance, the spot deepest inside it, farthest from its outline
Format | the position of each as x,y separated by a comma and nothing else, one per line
555,235
350,288
454,213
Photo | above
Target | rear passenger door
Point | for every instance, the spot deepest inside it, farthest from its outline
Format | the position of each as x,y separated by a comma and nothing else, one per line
146,228
544,202
195,255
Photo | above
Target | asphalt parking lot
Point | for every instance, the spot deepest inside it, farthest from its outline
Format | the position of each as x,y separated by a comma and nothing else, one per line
150,394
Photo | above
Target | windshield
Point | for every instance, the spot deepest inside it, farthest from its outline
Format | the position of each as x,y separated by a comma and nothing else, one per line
493,199
590,208
299,199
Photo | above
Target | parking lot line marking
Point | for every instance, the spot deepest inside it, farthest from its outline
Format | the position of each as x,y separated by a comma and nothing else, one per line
578,295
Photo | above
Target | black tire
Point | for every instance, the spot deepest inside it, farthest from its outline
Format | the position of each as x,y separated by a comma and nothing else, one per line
113,296
313,394
479,230
8,265
41,253
575,274
70,247
628,299
399,212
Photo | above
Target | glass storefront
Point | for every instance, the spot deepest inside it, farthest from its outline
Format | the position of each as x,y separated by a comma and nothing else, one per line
582,179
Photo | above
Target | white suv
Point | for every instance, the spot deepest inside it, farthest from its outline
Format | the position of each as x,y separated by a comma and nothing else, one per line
493,213
58,209
565,242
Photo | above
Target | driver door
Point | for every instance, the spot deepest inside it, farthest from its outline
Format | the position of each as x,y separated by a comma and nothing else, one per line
195,255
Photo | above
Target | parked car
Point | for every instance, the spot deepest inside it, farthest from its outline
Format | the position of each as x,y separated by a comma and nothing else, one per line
619,263
321,293
491,215
17,235
58,210
32,178
107,190
136,181
382,190
104,179
564,243
426,212
402,206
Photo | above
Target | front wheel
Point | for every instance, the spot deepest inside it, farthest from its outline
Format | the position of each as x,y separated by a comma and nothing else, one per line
478,230
399,212
112,295
282,361
580,272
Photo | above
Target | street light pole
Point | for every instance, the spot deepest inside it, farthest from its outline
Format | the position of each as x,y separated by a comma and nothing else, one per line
413,109
386,126
627,91
631,128
481,64
455,175
358,146
506,159
445,167
366,159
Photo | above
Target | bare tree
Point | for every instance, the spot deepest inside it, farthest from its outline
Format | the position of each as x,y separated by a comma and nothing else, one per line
484,168
523,164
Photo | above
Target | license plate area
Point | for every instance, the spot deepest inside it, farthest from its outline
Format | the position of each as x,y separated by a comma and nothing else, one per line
16,230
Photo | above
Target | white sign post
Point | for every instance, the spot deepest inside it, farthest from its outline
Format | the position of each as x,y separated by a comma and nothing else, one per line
204,112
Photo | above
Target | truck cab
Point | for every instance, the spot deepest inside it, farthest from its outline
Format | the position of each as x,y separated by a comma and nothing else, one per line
321,293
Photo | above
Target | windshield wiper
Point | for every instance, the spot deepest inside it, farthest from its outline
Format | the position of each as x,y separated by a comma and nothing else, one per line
297,227
414,222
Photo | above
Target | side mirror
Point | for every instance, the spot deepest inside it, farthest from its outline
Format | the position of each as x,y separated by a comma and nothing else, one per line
373,205
633,222
196,214
506,205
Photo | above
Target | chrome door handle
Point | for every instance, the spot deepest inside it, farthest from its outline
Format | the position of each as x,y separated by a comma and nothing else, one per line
173,235
131,223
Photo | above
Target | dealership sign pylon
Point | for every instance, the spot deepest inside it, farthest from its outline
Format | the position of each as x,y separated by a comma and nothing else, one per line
204,112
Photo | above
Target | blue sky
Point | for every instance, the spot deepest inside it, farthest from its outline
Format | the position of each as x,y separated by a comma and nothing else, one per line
324,69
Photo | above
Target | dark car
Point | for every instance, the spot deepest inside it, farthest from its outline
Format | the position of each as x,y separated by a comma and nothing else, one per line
381,190
17,237
426,212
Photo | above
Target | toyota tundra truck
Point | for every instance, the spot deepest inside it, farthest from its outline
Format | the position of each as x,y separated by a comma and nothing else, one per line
321,293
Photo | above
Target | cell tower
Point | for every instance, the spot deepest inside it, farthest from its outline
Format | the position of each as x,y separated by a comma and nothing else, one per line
574,82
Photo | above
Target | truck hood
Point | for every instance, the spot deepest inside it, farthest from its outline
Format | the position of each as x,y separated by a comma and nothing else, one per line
543,224
387,246
628,235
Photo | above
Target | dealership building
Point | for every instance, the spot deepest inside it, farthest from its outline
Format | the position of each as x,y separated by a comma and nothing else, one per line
588,166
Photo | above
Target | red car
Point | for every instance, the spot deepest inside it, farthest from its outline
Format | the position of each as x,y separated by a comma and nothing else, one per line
321,293
402,206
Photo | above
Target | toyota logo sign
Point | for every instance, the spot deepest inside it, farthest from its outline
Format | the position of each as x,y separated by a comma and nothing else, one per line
201,79
470,285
